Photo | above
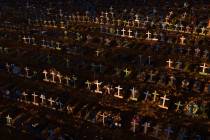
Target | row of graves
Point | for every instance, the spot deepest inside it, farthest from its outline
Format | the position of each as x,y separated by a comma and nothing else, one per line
108,76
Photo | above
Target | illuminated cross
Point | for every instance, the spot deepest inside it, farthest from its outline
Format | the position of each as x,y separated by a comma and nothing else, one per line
133,94
24,39
134,124
34,99
59,77
146,95
123,31
43,43
129,33
178,105
169,63
98,86
27,71
103,117
146,125
74,78
67,80
155,94
204,67
172,79
163,103
203,29
118,92
7,67
42,97
182,40
151,76
88,83
53,77
178,66
45,76
127,72
168,131
24,95
58,46
51,101
9,120
181,27
148,35
137,17
60,104
188,29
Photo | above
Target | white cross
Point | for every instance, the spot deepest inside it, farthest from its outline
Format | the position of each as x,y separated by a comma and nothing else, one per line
129,33
163,104
146,125
53,77
188,29
182,40
24,95
118,92
178,105
169,63
203,30
88,83
134,124
34,99
137,17
9,120
148,35
123,31
181,27
74,78
59,77
204,67
42,97
133,94
43,43
51,101
155,94
29,40
58,46
98,86
24,39
45,76
151,76
103,117
67,80
27,71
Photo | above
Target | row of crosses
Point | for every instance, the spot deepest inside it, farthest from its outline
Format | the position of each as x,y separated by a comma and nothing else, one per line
43,100
203,67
